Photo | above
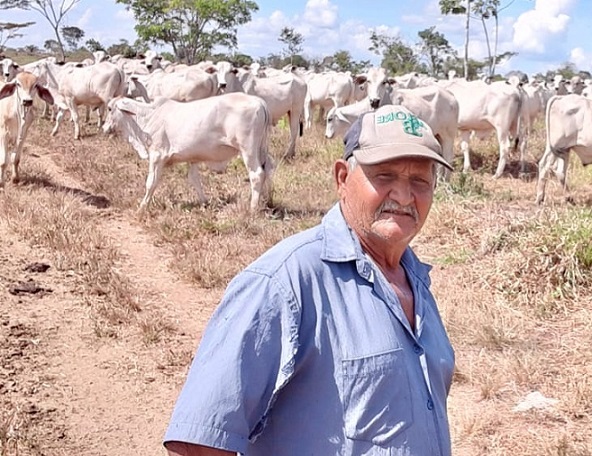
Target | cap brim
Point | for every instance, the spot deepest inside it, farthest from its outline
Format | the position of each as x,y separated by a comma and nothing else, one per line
383,153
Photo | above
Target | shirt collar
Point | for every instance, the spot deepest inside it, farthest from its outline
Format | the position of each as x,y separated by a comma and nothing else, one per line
340,244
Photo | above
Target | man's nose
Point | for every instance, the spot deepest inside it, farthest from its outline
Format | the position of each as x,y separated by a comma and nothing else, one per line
401,191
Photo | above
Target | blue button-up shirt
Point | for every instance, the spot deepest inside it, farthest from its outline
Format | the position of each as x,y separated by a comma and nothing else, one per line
310,353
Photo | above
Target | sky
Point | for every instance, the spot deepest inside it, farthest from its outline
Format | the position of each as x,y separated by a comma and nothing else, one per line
545,33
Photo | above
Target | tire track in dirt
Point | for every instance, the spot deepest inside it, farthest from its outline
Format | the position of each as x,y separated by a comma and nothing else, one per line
118,393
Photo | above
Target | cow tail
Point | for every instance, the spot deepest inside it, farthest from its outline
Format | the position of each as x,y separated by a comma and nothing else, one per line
521,120
548,120
264,156
121,88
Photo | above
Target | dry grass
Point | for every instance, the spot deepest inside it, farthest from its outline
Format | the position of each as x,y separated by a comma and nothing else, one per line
512,279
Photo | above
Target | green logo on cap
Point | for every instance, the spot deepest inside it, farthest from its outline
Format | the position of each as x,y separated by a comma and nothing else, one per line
411,124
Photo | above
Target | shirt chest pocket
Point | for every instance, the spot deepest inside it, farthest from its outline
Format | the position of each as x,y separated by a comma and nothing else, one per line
376,397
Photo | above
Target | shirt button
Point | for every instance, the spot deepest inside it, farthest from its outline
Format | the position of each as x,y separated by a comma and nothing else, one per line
417,349
430,404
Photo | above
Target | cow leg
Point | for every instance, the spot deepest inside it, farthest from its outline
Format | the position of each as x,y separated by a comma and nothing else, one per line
58,121
194,179
523,145
16,155
544,166
87,114
448,155
308,111
562,164
294,126
154,173
504,147
101,114
3,158
257,177
76,119
465,136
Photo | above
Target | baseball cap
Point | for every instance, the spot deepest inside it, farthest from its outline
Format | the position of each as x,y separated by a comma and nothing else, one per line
390,132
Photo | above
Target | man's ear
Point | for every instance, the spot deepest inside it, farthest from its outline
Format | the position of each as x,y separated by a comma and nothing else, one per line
340,173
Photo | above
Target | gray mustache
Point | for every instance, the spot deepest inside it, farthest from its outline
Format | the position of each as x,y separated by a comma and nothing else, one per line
391,206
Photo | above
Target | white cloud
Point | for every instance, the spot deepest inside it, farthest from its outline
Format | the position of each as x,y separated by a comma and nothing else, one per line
84,20
581,58
543,27
321,13
124,15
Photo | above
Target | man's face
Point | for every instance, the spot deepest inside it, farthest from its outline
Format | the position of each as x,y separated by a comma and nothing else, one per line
386,203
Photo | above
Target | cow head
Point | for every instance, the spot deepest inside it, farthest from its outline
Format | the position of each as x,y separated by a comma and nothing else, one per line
377,85
9,69
226,76
25,85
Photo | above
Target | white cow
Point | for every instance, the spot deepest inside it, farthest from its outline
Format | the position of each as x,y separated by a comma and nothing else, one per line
213,130
284,94
568,119
432,104
9,69
188,85
339,119
16,114
483,108
536,99
377,84
560,85
331,89
135,89
144,65
92,86
100,56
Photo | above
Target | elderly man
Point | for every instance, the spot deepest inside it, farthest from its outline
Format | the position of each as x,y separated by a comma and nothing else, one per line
331,342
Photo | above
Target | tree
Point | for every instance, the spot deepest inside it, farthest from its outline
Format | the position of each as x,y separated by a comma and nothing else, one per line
397,57
459,7
93,45
31,49
53,11
342,61
10,31
193,28
72,36
123,48
52,46
483,10
293,41
436,48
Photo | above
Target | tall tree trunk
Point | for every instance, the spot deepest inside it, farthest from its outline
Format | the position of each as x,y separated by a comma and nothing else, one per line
60,44
495,44
491,65
466,62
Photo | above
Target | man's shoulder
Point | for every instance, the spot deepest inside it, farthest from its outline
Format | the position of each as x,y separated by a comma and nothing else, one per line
305,246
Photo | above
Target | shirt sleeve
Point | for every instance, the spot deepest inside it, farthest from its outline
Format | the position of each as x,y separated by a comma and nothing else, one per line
245,357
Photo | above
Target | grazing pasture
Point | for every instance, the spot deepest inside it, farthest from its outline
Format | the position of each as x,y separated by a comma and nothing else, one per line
94,350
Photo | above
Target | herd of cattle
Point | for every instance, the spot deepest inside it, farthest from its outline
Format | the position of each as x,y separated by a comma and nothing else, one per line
209,113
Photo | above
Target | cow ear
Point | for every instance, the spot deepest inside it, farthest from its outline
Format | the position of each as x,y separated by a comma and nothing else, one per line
126,105
210,69
391,81
7,90
16,67
44,94
360,79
